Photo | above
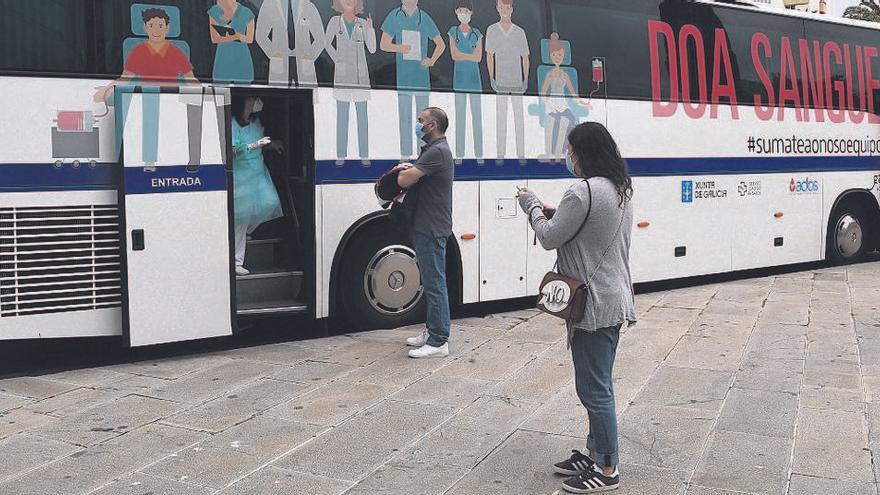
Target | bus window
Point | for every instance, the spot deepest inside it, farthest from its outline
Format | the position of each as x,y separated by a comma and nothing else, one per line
46,36
615,30
741,27
191,27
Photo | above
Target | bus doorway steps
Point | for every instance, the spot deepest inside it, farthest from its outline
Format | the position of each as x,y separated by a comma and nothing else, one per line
269,292
265,254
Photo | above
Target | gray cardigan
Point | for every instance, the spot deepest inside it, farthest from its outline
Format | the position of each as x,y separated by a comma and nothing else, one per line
610,302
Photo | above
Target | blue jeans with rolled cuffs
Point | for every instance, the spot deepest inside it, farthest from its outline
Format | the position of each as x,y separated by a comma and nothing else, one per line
431,256
593,354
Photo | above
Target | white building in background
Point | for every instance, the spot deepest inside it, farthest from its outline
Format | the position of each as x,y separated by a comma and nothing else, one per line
818,6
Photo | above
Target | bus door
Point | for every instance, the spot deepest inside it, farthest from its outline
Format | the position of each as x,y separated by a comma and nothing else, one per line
174,203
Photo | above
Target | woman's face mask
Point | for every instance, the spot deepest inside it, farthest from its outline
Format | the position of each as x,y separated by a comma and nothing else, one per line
258,105
464,17
569,164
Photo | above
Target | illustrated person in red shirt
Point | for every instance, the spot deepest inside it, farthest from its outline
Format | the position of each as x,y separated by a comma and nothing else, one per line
154,62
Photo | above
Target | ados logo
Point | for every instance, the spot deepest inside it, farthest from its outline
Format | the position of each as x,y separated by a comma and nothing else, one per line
803,186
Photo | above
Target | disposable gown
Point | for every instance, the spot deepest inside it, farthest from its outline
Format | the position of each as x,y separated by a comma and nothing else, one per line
256,200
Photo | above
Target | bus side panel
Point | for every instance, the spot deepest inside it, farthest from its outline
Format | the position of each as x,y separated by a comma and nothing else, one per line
503,242
342,206
466,220
784,227
322,275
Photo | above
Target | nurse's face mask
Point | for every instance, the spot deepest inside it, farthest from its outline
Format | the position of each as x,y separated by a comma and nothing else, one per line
258,105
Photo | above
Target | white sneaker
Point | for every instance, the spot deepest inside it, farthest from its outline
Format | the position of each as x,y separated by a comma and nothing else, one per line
419,340
427,351
240,270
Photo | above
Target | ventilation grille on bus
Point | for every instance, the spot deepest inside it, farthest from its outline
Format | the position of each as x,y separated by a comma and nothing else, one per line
58,259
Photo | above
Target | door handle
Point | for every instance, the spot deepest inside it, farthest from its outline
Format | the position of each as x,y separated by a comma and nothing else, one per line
137,240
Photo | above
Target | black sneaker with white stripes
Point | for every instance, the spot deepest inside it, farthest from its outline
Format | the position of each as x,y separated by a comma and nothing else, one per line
592,481
576,464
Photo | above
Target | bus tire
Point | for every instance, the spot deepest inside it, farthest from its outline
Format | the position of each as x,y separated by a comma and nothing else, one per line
380,284
848,233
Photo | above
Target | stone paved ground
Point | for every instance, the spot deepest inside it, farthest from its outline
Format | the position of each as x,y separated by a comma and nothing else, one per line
767,385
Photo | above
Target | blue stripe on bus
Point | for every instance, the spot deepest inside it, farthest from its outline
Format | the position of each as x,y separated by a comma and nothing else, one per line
37,177
353,171
175,179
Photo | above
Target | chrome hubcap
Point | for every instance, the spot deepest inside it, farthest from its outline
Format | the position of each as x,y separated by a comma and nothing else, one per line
848,236
392,281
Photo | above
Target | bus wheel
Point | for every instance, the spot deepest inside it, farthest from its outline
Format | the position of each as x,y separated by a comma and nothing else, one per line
381,285
847,235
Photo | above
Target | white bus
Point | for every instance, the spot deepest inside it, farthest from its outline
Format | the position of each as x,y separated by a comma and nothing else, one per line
751,134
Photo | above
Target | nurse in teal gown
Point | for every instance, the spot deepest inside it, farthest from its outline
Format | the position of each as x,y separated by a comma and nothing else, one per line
256,200
232,30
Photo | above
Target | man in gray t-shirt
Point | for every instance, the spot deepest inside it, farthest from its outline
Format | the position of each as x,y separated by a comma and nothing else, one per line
507,57
433,175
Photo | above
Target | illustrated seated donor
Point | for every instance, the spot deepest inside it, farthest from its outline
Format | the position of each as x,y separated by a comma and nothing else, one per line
559,108
150,64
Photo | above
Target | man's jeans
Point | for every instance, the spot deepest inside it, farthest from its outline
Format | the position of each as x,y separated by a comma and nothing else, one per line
431,256
593,354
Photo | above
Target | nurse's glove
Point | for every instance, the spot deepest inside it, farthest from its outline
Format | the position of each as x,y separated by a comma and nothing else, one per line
493,84
525,86
261,143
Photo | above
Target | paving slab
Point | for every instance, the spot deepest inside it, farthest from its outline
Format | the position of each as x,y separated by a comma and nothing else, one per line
276,481
810,485
95,467
434,390
666,437
212,382
283,354
87,377
703,490
170,368
470,435
563,415
332,404
540,379
8,402
22,453
225,458
761,463
144,484
494,360
540,329
396,369
238,406
709,352
366,442
19,420
686,387
36,388
108,420
522,464
759,412
312,372
833,398
410,478
75,401
842,450
778,375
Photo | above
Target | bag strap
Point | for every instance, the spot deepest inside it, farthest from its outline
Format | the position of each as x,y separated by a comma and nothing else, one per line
613,240
589,210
